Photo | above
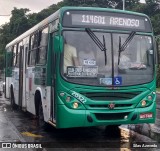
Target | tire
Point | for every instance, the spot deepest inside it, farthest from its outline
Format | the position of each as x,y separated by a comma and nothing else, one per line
112,131
13,105
1,94
41,121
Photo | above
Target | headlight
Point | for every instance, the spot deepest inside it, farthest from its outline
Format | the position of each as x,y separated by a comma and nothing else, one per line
70,101
75,105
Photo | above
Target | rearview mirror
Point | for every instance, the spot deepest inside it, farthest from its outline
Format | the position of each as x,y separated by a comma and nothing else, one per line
149,57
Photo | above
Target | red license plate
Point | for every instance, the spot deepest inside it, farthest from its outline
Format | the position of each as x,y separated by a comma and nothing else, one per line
146,115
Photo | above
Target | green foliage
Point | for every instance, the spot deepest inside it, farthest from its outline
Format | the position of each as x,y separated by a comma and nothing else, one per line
156,23
18,22
1,61
22,21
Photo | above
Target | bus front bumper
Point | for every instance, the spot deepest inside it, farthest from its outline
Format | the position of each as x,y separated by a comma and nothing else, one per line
67,118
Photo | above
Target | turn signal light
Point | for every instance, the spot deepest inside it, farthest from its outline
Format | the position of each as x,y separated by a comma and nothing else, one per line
62,94
68,99
149,97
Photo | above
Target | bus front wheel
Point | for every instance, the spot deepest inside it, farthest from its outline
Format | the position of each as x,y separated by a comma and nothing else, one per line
113,130
41,121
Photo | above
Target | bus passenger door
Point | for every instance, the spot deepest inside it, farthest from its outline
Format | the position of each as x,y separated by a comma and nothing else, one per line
16,74
53,71
8,73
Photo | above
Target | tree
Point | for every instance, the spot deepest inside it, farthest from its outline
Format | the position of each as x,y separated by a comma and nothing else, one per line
17,25
156,23
18,21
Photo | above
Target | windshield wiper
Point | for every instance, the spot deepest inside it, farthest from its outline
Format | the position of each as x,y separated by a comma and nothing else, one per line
125,44
101,46
105,50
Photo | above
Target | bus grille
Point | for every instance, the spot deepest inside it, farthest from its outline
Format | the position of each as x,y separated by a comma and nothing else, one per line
116,96
111,116
117,106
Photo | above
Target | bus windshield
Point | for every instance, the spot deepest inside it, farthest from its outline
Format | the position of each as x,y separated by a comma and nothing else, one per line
84,62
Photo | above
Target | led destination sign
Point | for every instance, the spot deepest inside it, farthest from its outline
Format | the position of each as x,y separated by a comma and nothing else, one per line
106,20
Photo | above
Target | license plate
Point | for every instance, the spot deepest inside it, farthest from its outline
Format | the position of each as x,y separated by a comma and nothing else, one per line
146,115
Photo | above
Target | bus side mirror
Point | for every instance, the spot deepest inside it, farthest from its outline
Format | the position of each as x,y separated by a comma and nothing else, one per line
58,43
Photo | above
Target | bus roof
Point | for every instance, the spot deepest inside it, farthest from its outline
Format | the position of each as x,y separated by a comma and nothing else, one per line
101,9
60,12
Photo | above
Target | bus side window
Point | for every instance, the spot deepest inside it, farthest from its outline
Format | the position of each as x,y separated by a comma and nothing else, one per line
26,54
17,56
26,45
14,55
42,48
9,57
18,53
32,49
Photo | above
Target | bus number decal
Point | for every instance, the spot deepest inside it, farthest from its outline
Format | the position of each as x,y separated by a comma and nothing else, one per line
93,19
79,97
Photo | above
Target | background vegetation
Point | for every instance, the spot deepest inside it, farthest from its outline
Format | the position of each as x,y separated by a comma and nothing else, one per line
22,20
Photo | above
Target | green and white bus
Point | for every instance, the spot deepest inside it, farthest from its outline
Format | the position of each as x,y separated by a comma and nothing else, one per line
85,66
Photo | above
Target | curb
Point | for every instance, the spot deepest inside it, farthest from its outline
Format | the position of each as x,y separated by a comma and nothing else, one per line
140,138
155,132
148,130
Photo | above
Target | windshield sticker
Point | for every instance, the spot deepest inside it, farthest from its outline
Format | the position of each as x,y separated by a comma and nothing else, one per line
118,80
106,81
89,62
137,65
82,71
